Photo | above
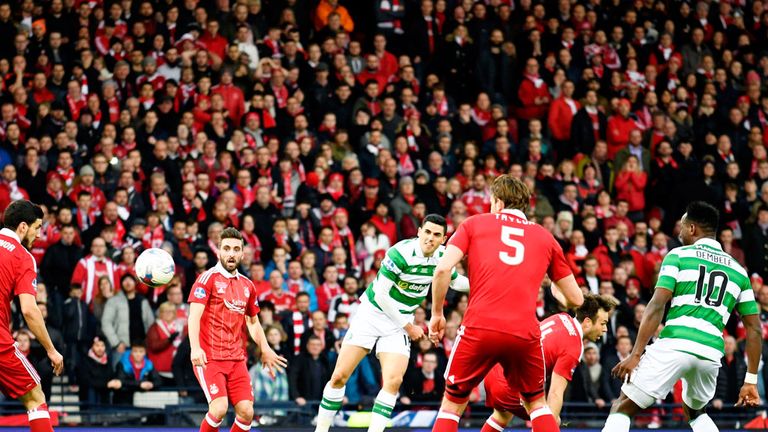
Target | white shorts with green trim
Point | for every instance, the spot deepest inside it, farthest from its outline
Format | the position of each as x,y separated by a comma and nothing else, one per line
371,327
659,370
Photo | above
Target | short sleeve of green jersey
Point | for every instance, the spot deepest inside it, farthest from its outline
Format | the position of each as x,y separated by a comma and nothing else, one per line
670,267
454,274
392,265
746,304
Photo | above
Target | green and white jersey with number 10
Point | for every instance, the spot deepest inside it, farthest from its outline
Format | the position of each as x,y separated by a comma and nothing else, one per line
407,274
707,284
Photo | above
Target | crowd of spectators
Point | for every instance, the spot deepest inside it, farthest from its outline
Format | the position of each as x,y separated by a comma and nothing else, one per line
326,130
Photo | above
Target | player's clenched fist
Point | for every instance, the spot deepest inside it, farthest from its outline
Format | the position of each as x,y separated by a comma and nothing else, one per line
414,332
57,361
436,328
748,396
198,357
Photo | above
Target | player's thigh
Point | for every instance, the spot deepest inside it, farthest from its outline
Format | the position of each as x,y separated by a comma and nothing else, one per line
523,364
350,356
239,387
655,375
212,379
700,382
393,367
471,359
19,378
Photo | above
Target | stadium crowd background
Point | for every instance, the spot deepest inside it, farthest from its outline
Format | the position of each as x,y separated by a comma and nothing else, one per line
326,130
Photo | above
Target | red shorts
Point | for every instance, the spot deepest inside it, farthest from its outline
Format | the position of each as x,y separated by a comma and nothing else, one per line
476,351
18,376
500,397
225,378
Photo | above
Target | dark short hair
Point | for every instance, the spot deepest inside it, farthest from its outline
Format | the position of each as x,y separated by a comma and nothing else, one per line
21,211
594,304
704,215
437,220
231,233
302,294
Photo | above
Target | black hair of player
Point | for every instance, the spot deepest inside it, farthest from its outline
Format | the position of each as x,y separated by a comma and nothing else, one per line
704,215
231,233
21,211
592,305
437,220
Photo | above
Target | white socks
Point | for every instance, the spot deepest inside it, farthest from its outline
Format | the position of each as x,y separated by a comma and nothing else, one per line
703,423
331,403
617,422
382,411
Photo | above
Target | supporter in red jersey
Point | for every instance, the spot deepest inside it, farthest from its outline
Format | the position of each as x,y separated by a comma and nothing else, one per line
18,278
278,293
220,300
562,341
500,325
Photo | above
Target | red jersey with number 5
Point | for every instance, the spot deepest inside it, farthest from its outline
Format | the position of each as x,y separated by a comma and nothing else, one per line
18,275
228,298
508,257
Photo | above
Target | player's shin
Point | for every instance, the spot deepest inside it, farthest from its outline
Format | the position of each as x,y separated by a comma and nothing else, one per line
210,423
382,411
40,419
617,422
703,423
543,420
331,403
491,425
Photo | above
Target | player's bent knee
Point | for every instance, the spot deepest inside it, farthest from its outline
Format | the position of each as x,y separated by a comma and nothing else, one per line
339,379
393,381
244,411
33,398
218,407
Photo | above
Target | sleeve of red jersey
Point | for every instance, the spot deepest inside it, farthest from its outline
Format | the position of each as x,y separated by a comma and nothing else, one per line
460,238
252,309
200,292
558,265
565,366
26,281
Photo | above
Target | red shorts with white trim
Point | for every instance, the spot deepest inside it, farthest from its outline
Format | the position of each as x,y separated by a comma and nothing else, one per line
499,396
476,351
225,378
18,375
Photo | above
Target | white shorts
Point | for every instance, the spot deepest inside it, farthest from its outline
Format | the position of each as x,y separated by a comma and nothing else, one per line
659,370
371,327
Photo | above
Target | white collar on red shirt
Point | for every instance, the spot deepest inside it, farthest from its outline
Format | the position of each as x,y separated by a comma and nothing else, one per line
515,212
218,268
12,234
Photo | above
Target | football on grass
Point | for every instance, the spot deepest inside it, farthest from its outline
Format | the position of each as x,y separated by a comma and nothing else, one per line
155,267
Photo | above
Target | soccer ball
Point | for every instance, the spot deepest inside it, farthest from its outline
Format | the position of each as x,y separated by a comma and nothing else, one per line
155,267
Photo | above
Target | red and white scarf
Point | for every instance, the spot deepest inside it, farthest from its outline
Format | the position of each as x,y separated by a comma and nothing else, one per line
298,330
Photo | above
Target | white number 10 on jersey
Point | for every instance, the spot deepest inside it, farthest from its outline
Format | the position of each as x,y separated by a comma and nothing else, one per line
518,249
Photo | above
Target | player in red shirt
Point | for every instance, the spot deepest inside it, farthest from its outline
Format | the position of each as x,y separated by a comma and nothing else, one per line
508,257
219,301
562,340
18,277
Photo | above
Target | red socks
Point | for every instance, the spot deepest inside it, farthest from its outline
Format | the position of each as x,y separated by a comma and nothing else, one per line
240,425
40,419
446,422
491,425
544,421
210,424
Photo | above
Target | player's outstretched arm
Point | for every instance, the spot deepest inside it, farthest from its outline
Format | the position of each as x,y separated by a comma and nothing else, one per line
197,355
654,313
557,388
269,358
441,279
36,324
567,292
748,396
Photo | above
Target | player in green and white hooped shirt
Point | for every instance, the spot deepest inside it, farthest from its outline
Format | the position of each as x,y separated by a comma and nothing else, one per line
704,285
384,320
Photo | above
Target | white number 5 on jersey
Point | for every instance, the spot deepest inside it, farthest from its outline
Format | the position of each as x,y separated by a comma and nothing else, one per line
518,249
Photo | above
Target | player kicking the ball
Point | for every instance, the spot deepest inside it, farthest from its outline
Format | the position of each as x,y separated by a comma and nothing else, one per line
18,277
562,339
704,285
384,320
508,257
220,300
